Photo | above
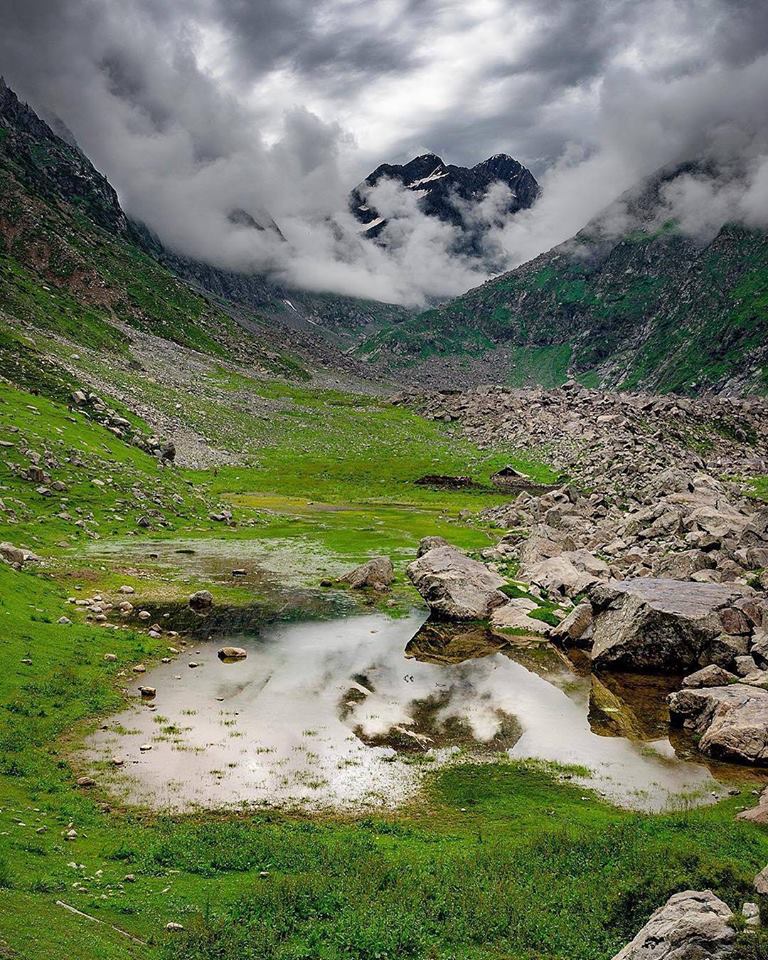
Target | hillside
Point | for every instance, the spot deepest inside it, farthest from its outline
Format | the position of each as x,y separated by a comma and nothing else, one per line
648,309
74,265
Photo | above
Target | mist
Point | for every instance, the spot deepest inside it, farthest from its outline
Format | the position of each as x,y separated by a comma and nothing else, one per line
194,111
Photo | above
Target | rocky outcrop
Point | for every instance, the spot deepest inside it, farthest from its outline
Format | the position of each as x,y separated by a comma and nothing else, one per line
376,574
691,925
732,721
455,586
664,625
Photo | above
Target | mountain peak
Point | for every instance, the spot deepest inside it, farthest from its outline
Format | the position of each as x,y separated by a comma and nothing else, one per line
438,186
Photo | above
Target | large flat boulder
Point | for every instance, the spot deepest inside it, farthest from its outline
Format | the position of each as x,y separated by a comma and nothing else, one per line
515,617
662,625
455,586
692,925
732,720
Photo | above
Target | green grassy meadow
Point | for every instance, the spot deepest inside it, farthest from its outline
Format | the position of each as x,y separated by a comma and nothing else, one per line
499,860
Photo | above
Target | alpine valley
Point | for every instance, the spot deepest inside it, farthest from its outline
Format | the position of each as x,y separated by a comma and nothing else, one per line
340,629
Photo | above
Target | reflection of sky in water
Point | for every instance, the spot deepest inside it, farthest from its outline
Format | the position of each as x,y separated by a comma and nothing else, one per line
269,729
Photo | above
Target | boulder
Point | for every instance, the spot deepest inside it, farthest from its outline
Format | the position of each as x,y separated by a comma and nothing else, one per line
232,653
758,814
761,882
376,574
543,543
429,543
732,721
515,616
759,648
577,626
200,600
711,676
558,576
659,624
683,565
17,556
455,586
692,925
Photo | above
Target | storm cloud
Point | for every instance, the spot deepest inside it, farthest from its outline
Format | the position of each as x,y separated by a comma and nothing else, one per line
196,108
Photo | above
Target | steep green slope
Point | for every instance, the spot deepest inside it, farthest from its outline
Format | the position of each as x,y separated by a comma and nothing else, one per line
650,309
73,264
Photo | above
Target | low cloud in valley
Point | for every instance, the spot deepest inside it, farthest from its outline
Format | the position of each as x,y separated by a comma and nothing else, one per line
278,107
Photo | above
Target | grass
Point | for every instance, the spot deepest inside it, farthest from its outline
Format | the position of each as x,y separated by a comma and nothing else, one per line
496,860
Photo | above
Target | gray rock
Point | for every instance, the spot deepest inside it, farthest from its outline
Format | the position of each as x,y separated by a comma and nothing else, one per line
515,615
200,600
658,624
761,882
577,626
732,720
711,676
376,574
558,576
17,556
232,653
455,586
759,648
683,565
758,814
429,543
691,925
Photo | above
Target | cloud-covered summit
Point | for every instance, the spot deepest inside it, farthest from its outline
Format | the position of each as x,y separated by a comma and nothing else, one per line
195,108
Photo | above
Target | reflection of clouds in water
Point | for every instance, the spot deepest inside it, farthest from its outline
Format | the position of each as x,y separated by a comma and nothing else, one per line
279,726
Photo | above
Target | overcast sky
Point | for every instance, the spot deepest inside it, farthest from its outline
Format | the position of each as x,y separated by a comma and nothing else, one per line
193,107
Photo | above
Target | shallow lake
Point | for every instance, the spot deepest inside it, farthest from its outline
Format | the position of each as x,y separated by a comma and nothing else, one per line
351,713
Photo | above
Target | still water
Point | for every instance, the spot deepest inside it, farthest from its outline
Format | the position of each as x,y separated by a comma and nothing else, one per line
351,713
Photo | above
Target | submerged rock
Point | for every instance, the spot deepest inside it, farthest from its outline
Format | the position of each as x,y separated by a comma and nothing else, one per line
455,586
691,925
376,574
732,720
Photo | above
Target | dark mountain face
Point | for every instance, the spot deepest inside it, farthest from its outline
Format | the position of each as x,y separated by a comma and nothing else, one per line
442,189
57,169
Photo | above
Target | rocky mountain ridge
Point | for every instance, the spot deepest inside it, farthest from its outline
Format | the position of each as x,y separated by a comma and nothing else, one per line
647,307
444,190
